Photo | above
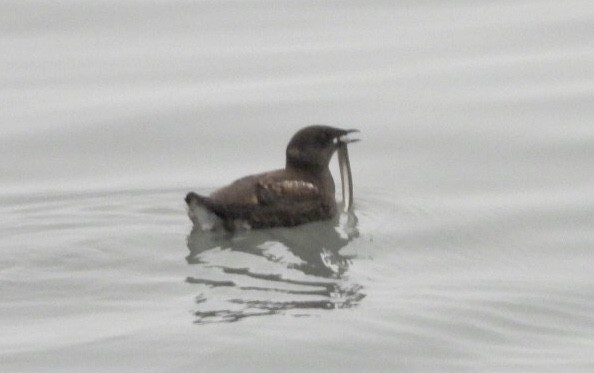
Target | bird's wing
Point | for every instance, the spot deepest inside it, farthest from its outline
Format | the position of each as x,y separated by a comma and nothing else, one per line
286,191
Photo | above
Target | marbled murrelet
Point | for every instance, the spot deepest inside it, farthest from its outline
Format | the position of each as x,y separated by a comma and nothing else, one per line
302,192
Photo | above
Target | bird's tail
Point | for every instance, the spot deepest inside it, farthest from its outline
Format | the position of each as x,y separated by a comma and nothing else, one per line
199,213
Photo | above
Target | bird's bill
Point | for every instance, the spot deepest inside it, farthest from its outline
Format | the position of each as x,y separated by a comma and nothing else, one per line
346,138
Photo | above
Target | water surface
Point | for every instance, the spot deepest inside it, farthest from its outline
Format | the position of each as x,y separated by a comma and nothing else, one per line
471,243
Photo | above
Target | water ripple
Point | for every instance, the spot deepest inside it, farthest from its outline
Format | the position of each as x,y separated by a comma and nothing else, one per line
293,271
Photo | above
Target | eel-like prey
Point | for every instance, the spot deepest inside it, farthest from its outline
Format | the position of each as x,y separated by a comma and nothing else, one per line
346,177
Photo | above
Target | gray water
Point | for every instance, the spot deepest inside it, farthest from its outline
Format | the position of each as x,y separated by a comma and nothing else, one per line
471,246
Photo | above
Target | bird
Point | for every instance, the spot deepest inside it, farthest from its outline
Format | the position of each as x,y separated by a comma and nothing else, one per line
301,192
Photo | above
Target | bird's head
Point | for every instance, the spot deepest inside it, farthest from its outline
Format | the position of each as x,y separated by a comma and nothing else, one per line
312,147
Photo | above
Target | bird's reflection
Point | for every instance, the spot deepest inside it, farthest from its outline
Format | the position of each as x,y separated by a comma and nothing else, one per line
265,272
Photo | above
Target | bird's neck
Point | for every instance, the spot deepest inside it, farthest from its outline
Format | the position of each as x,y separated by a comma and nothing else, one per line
307,169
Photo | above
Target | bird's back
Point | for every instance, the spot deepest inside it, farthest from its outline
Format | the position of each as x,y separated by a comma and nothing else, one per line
271,199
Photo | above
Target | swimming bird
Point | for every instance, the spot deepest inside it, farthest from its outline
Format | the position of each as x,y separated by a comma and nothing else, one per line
301,192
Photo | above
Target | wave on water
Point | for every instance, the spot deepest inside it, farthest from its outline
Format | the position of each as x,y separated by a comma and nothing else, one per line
298,271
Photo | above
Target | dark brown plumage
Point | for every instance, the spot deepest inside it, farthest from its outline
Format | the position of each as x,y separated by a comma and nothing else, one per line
301,192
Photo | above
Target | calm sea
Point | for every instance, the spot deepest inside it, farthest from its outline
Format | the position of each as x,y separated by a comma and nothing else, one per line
471,246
